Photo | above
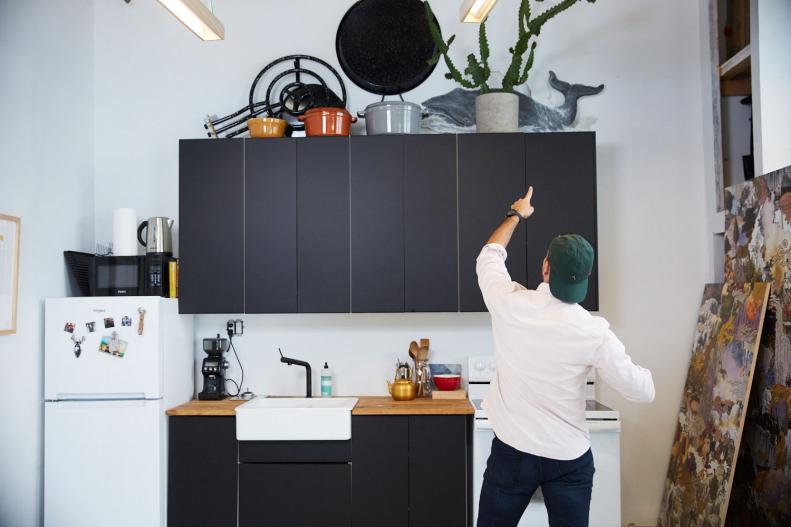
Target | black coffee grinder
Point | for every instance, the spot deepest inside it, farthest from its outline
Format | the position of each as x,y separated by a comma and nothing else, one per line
213,369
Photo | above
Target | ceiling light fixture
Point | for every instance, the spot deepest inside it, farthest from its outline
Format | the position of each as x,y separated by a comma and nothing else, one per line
475,11
197,17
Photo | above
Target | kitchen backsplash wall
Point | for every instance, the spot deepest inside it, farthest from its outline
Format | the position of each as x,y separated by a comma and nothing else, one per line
361,349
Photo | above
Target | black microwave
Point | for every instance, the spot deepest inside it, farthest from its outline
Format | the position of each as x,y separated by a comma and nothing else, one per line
107,275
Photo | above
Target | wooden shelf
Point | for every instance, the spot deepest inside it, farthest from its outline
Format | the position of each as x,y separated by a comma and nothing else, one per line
737,65
735,88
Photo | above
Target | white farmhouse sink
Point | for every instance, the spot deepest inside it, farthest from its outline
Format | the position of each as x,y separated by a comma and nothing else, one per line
295,419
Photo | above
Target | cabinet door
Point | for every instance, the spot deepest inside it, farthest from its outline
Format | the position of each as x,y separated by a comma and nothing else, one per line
211,226
377,223
202,475
562,168
380,470
439,470
308,495
323,225
270,239
491,177
431,273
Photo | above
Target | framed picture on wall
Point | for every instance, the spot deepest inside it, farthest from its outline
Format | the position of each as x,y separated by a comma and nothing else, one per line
9,272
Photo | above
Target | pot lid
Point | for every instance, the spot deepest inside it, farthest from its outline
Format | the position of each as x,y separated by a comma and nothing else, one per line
394,104
384,46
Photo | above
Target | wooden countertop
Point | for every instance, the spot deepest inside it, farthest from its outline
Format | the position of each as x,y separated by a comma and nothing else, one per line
385,405
367,405
195,407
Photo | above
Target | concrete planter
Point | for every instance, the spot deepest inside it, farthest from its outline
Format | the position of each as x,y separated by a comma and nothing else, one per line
496,112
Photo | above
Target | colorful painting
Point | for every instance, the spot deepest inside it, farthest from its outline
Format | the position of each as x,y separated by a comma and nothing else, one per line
713,405
758,248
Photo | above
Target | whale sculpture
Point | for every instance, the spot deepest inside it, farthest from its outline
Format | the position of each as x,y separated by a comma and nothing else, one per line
457,108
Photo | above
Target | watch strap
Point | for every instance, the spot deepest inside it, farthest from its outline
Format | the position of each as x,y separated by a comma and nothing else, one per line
516,213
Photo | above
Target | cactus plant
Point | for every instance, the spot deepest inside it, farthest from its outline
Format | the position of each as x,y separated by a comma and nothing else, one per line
476,74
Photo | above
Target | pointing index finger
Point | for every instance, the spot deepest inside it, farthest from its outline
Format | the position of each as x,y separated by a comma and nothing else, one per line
529,194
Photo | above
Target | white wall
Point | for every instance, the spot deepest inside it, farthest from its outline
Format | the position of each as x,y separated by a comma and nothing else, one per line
46,173
155,81
771,81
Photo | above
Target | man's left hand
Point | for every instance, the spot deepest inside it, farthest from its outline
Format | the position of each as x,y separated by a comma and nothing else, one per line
523,206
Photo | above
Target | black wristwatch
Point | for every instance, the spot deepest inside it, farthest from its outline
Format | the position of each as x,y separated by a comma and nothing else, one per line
513,212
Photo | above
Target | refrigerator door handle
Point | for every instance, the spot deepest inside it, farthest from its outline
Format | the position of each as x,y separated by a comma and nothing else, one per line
100,396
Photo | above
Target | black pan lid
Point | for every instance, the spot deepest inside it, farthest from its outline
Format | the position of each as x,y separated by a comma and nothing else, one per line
384,46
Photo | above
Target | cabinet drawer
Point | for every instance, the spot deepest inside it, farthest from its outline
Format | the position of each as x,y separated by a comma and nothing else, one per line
295,451
307,495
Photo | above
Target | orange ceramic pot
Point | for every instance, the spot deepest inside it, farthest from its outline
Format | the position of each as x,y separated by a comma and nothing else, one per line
327,121
266,127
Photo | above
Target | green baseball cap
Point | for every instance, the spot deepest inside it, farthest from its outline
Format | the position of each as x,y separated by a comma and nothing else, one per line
570,263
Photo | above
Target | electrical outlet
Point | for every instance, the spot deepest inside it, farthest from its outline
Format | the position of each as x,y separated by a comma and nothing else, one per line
235,327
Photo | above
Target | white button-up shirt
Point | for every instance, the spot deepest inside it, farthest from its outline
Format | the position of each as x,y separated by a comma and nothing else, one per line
544,349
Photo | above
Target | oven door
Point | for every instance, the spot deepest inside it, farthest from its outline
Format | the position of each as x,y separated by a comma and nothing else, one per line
606,495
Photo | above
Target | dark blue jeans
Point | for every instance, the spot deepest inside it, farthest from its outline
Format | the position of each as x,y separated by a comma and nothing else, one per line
513,476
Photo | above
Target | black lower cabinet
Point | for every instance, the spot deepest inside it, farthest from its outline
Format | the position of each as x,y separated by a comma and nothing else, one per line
300,483
411,470
202,464
299,494
439,470
380,470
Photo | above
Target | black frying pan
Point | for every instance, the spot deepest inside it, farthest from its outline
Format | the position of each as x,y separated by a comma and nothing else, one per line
384,46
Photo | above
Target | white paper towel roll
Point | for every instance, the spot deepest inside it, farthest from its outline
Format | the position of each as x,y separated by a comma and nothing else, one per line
124,232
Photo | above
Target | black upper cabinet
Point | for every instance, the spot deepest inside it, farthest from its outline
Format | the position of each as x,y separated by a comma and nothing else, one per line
377,226
323,225
270,272
211,231
562,168
491,177
431,271
372,224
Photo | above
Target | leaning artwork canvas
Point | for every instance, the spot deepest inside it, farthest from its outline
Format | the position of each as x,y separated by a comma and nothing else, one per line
758,248
713,405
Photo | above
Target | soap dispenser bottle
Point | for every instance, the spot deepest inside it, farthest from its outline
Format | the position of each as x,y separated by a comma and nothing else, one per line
326,381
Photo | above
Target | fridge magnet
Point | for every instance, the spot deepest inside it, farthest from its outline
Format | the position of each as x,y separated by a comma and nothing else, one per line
113,345
109,322
126,321
9,272
69,327
142,315
77,347
90,326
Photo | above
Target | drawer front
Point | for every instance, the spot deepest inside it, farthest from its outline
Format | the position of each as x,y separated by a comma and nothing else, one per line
307,495
295,451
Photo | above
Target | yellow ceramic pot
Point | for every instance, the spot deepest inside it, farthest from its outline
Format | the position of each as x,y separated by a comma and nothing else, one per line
266,127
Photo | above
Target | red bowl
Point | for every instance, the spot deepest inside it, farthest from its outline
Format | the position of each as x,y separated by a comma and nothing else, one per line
447,382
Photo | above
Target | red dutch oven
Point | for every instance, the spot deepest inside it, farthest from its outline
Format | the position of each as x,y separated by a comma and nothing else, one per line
327,121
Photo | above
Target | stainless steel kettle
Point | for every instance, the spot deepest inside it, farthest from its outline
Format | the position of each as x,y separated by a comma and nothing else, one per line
158,235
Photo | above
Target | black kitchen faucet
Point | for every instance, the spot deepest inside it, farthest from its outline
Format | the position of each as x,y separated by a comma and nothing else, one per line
290,362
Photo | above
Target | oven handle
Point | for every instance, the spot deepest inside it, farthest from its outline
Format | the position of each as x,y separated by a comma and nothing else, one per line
483,424
604,426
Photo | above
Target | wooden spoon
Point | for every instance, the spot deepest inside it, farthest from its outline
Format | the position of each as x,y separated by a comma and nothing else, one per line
413,350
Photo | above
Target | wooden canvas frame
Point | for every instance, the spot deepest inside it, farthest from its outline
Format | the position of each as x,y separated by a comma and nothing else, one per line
14,224
714,405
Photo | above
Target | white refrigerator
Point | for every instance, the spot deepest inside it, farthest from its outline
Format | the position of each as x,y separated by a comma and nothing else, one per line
112,366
